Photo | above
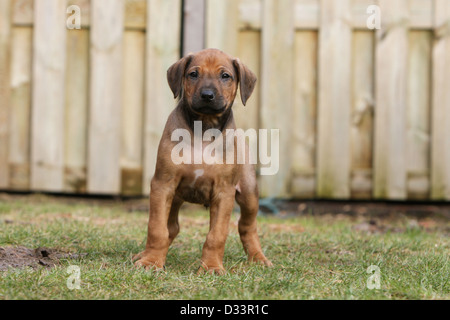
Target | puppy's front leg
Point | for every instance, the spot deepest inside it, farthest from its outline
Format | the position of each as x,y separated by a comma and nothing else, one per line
214,247
158,240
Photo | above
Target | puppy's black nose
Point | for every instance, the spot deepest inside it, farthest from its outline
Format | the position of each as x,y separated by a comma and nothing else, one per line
207,95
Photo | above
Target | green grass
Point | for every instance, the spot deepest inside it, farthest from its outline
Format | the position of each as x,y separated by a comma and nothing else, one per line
314,257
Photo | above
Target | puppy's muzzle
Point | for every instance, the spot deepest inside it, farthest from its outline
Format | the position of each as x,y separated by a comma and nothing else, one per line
207,95
209,102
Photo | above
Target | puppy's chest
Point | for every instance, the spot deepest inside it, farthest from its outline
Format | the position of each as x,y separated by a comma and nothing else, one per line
200,183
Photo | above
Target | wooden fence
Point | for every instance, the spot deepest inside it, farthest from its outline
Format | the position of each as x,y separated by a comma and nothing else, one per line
82,110
363,114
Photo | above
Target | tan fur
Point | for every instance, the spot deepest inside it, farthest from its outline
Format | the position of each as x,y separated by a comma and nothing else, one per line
216,186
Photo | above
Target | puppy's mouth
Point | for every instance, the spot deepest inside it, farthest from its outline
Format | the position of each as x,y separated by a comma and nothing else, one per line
202,107
208,110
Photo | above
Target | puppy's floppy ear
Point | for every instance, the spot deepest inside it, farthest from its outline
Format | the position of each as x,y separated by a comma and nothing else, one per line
247,80
175,75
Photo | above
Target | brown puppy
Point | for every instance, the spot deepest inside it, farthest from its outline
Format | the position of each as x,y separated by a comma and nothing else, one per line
206,84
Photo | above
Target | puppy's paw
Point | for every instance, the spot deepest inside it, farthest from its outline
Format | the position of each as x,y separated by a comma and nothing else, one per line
147,261
266,263
218,270
261,260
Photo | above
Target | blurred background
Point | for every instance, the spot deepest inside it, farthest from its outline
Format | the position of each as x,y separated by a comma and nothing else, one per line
363,112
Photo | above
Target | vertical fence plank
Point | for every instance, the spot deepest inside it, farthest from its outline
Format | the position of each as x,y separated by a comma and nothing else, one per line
390,112
132,112
333,153
304,116
49,58
276,88
440,189
249,43
107,23
77,100
5,90
163,49
418,115
135,14
23,12
73,119
20,117
222,21
223,32
362,114
194,25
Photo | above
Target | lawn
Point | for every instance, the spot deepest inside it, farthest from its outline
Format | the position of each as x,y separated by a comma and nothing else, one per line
327,256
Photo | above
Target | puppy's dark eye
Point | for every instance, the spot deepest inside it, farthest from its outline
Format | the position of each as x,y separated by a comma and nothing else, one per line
193,75
226,76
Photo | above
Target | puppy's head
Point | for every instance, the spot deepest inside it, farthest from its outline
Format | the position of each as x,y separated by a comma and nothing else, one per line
208,81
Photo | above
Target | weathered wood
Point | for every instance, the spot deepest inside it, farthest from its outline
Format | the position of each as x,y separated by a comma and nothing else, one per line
105,96
85,11
276,90
304,114
76,119
362,114
136,14
334,108
421,14
249,43
23,12
307,14
418,115
20,117
360,15
98,113
194,26
250,15
133,112
390,111
222,21
48,95
163,49
5,88
440,154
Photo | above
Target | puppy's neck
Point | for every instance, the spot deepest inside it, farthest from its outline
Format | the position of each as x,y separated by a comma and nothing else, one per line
219,122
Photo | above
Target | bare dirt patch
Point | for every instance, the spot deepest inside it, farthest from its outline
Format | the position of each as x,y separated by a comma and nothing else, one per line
21,257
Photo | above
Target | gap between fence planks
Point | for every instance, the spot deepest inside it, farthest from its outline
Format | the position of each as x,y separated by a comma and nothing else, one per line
77,109
20,111
304,115
131,157
362,114
418,146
